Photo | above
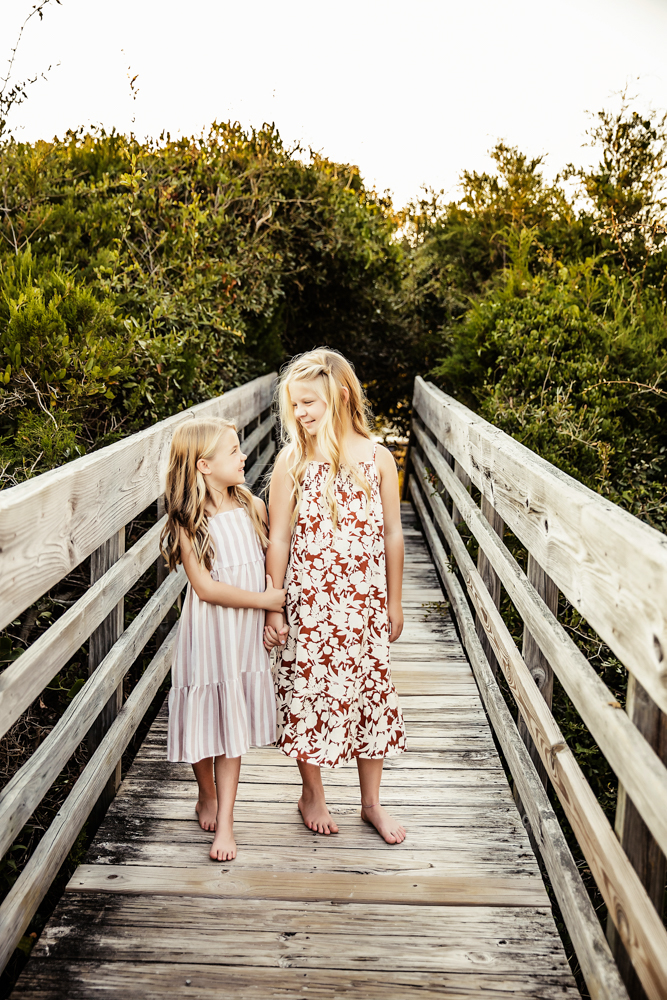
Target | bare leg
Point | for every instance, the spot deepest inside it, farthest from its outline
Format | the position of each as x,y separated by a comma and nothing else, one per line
227,770
370,776
313,803
207,802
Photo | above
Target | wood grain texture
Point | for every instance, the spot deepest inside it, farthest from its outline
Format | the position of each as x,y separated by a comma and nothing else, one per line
465,842
20,904
99,644
24,679
20,797
49,524
609,565
65,980
632,758
636,920
213,881
597,964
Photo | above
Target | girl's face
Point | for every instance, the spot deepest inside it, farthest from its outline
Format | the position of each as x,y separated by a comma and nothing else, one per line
226,467
309,407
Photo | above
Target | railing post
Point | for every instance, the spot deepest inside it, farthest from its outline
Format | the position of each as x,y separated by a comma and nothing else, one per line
461,474
101,641
490,578
645,856
162,572
540,670
535,659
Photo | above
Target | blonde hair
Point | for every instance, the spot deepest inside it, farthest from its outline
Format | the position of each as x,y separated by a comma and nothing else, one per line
186,492
330,373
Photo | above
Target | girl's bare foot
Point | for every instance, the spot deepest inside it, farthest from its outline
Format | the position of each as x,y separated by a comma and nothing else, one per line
388,828
314,812
224,845
206,810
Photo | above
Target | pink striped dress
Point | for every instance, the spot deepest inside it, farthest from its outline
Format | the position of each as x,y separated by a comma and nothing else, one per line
222,699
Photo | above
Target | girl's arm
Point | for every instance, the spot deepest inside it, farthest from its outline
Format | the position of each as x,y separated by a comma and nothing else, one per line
393,538
281,507
216,592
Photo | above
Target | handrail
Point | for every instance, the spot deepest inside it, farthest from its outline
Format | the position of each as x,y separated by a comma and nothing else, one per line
613,569
48,525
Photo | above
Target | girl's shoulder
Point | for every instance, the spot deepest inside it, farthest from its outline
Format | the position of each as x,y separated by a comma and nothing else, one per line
385,462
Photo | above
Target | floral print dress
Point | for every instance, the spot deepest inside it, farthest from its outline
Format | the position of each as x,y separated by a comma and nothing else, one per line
334,692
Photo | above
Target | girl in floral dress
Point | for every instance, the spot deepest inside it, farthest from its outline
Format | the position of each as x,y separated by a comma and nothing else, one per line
336,540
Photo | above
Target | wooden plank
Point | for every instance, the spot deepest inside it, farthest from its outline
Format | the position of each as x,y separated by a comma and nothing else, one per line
610,566
252,773
490,578
120,981
49,524
634,761
641,847
494,860
208,881
499,833
369,920
535,660
100,642
497,813
322,948
637,922
26,678
257,792
260,464
20,797
598,967
21,902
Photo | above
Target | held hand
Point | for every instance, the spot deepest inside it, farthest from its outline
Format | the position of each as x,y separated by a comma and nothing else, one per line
395,623
274,599
275,629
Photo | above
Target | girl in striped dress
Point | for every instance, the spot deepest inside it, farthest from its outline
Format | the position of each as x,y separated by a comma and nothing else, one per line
222,699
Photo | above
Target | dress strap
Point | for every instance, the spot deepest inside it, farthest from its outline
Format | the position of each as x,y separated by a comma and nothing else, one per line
375,448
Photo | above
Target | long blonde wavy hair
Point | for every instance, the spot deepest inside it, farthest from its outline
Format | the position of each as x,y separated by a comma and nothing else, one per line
186,492
330,373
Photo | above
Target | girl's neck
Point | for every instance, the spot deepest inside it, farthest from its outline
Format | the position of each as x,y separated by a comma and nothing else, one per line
219,499
358,448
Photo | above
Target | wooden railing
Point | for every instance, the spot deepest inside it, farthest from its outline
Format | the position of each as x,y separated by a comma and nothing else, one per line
48,526
612,569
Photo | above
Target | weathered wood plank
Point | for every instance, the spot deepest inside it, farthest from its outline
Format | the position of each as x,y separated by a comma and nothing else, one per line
20,797
26,894
610,566
24,679
49,524
119,981
634,761
99,644
595,958
208,881
637,922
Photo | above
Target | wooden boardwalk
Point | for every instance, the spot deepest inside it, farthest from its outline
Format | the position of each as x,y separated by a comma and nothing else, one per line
458,910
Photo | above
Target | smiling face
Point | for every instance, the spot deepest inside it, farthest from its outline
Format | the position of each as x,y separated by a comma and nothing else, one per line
226,466
308,405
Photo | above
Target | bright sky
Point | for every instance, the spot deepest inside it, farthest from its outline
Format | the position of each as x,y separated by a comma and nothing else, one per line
412,91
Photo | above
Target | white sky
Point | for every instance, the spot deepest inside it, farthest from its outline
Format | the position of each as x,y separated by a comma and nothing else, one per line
412,91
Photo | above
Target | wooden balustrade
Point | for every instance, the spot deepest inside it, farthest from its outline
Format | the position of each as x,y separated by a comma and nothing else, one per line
613,569
48,526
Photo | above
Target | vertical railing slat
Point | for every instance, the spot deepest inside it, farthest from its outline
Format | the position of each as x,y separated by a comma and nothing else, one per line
646,857
100,642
